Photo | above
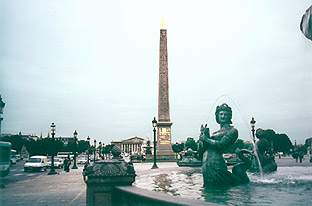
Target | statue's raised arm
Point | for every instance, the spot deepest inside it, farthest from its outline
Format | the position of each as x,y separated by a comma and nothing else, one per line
203,136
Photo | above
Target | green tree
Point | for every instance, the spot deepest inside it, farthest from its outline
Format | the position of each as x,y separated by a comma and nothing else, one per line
107,149
177,147
39,147
282,143
43,147
190,143
302,148
16,140
239,144
277,142
308,142
82,146
70,146
31,147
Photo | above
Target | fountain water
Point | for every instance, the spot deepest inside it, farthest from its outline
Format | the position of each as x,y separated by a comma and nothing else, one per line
287,186
290,185
242,123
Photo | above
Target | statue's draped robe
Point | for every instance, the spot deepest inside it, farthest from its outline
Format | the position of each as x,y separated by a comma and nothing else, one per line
214,167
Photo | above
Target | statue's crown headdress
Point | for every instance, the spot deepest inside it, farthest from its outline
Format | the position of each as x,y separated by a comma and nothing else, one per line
223,107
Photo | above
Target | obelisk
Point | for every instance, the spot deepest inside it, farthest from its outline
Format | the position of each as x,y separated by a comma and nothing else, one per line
164,149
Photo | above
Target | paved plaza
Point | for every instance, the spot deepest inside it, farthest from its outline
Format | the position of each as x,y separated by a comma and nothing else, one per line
65,189
61,189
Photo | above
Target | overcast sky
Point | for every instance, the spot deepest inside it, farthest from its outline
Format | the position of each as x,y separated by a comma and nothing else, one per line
92,66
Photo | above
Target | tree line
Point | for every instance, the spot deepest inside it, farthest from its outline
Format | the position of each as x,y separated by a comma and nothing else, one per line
43,146
191,143
277,142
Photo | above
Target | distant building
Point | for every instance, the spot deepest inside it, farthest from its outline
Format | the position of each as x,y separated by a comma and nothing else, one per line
23,136
131,145
28,136
65,140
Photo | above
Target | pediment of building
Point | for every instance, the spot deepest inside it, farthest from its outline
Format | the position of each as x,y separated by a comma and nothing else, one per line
133,140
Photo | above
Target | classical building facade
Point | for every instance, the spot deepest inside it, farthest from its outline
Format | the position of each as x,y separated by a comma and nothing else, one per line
131,145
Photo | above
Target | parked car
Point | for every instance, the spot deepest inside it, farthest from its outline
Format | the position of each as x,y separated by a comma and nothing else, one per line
18,157
36,163
58,162
233,161
82,160
13,157
228,156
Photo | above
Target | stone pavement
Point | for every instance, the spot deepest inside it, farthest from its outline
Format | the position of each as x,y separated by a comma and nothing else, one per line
69,189
290,162
61,189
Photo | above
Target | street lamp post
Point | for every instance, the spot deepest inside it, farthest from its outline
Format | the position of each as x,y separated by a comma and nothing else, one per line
154,124
103,151
88,139
100,144
52,170
94,153
75,150
100,151
253,123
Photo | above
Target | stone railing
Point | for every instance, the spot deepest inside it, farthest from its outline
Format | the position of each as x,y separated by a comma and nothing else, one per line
133,196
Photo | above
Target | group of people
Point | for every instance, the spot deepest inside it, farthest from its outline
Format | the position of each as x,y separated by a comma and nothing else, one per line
299,155
180,156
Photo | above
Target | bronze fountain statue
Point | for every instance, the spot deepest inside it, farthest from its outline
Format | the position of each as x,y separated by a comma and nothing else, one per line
211,148
266,159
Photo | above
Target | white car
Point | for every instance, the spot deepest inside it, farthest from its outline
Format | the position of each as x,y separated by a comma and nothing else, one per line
36,163
82,160
58,162
13,157
228,156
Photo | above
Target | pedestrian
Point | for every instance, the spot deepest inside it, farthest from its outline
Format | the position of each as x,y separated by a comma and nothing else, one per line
68,164
310,158
295,155
65,164
300,156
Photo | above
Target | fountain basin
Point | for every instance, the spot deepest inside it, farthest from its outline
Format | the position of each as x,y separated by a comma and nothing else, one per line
289,185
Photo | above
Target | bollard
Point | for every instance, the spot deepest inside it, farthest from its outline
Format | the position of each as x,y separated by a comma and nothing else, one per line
104,175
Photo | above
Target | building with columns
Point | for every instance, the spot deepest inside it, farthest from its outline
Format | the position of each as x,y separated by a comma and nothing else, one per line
131,145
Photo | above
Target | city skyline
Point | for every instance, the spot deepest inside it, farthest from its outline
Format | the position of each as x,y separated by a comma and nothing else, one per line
93,67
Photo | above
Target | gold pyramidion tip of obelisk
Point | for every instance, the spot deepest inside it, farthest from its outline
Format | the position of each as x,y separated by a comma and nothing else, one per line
163,23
